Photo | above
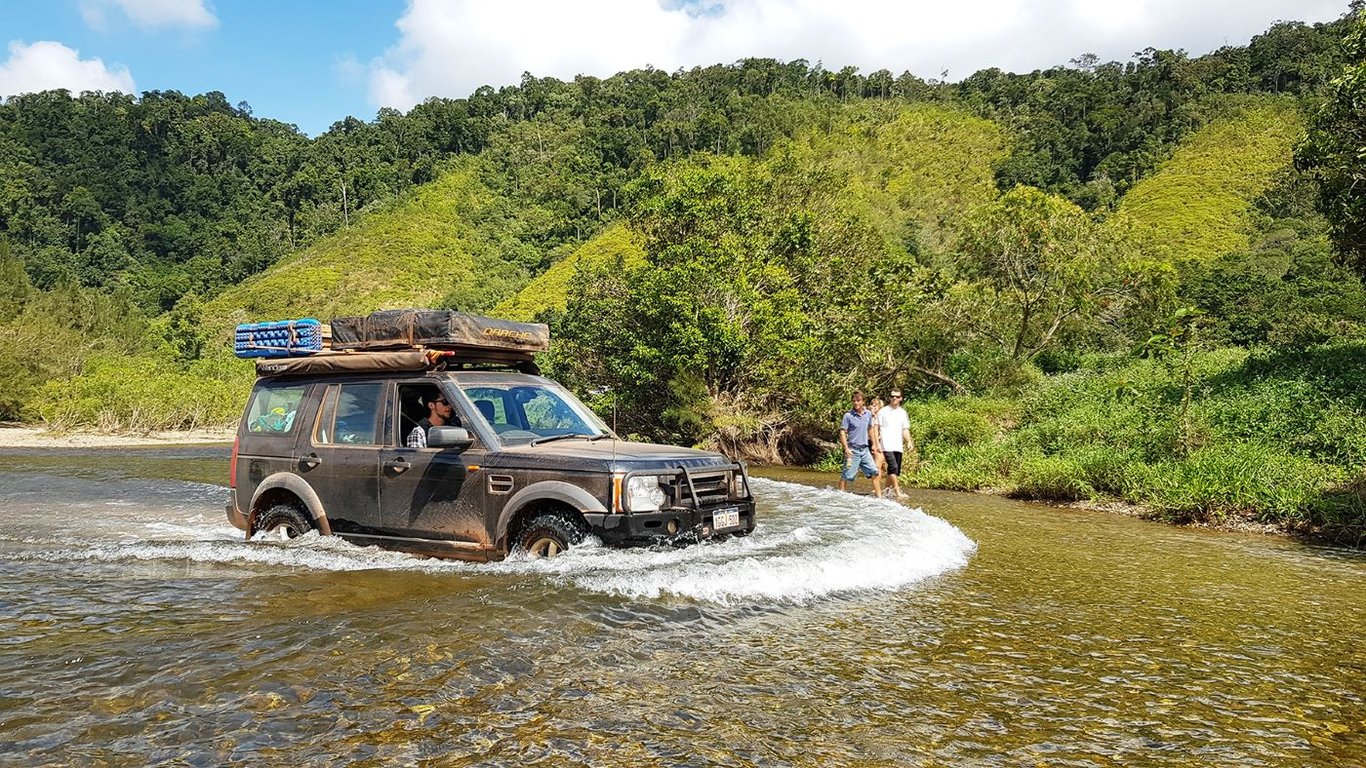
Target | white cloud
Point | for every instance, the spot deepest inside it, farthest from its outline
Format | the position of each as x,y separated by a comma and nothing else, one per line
451,47
150,13
46,65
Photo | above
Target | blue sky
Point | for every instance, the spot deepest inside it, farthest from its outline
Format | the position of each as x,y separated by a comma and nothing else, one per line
313,63
297,62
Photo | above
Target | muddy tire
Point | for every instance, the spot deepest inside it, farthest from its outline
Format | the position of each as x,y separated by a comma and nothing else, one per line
548,534
282,521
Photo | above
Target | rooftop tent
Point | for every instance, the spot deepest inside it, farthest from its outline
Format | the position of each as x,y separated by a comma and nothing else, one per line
437,329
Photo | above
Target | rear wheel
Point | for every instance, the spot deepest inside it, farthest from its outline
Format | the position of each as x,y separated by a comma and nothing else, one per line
547,535
282,521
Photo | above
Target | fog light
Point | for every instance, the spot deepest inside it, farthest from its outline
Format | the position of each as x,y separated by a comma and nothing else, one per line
672,527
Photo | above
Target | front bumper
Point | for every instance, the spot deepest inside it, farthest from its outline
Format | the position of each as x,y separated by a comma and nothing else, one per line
694,498
681,525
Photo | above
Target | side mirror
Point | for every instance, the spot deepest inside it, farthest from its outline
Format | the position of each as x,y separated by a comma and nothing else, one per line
449,437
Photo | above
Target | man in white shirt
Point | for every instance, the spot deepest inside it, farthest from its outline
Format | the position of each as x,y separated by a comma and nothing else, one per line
895,430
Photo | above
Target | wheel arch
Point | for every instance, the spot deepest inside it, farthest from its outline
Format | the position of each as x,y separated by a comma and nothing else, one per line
538,497
282,488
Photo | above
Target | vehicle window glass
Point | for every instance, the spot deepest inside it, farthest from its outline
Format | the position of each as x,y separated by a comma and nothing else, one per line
412,408
322,430
520,413
349,414
273,409
544,412
489,402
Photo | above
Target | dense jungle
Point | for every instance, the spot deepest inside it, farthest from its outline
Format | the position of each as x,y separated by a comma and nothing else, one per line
1133,282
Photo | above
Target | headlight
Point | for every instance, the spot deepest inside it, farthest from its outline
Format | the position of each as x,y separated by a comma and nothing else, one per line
643,494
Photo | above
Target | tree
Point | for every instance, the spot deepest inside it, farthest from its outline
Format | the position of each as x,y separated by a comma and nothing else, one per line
1033,263
1334,152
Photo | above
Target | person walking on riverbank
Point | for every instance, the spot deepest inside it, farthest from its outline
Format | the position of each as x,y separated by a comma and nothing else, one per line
855,431
894,432
875,439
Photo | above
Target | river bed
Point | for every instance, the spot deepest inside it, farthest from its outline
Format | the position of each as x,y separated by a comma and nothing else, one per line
136,627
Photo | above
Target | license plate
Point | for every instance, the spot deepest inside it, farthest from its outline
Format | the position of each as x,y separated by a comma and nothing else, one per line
722,519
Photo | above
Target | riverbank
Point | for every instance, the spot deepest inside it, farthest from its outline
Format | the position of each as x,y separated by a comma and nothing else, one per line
24,436
1300,530
1233,522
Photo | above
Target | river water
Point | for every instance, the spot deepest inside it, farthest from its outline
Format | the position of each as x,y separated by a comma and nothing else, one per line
136,628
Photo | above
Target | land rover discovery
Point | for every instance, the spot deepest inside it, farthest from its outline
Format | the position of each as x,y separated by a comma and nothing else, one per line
521,464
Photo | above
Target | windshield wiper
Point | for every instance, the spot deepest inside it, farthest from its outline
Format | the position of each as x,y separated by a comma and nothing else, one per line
551,438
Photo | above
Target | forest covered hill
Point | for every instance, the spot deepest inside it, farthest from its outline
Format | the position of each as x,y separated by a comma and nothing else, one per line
1105,280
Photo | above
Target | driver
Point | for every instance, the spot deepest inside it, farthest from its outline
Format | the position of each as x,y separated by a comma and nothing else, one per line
438,414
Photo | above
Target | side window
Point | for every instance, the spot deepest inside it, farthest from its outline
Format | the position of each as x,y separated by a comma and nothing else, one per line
349,415
274,407
412,408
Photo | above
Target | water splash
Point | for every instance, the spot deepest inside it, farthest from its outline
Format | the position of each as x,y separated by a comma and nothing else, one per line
811,542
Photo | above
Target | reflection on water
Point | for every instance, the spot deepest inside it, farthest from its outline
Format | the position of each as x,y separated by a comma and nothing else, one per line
136,627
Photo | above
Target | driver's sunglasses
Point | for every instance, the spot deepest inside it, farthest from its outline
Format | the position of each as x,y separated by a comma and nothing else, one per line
441,401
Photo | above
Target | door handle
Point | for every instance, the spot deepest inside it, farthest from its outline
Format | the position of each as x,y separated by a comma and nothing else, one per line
310,461
398,465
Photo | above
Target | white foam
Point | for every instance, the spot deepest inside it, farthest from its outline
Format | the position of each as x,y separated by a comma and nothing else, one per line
811,542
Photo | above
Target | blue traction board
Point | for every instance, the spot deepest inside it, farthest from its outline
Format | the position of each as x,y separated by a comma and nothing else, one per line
281,338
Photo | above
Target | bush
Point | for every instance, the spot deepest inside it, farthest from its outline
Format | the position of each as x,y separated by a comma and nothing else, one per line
1104,469
957,428
968,468
1242,479
119,393
1052,478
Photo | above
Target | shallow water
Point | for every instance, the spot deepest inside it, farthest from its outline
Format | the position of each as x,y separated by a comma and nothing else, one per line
136,627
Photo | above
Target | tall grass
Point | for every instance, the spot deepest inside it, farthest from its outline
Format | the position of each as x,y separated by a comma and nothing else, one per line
1275,437
144,393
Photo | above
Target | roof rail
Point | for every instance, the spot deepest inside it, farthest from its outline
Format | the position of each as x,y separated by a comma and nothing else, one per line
415,359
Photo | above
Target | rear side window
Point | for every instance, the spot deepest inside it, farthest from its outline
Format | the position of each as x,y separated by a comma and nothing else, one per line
349,415
274,408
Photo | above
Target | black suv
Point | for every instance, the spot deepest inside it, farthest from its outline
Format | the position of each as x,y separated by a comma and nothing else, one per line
522,464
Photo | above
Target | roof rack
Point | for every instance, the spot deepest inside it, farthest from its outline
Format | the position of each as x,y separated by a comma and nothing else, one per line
393,340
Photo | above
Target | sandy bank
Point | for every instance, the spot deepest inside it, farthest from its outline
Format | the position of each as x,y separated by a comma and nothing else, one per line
35,437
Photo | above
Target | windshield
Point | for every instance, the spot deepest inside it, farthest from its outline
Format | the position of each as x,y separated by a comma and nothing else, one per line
522,412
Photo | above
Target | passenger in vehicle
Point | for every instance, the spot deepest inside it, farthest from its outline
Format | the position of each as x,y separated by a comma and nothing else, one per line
439,414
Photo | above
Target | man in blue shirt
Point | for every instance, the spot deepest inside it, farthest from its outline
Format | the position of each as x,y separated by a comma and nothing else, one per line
856,430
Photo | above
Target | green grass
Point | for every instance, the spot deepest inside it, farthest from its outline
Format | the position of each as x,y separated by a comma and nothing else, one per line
449,238
114,392
1274,437
1199,204
921,166
549,292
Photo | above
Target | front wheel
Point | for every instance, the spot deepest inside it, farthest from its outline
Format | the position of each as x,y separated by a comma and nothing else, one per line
282,521
547,535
